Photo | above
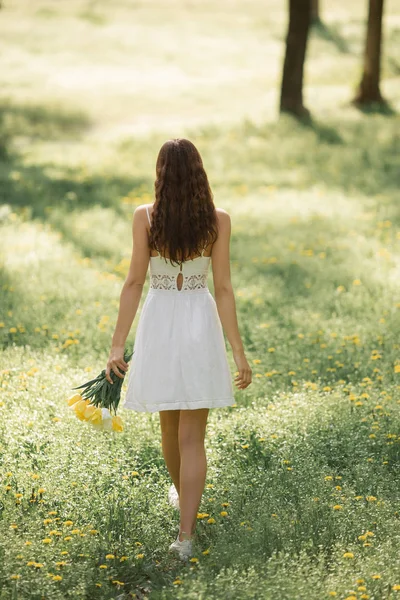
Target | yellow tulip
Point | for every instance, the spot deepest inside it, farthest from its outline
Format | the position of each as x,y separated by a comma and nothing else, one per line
117,423
96,417
89,410
80,408
73,399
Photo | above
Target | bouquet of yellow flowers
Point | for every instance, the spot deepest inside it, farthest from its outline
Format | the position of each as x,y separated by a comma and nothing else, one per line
99,400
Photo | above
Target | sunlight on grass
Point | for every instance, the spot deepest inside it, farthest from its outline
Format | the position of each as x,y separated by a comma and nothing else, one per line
301,492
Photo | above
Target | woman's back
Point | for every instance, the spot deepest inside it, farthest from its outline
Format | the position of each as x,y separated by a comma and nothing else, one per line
206,251
191,274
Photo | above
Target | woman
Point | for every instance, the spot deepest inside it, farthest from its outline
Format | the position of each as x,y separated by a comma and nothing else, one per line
179,366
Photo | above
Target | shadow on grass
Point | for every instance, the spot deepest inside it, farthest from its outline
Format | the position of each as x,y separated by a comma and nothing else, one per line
383,108
33,186
394,65
46,187
331,34
43,122
325,134
353,156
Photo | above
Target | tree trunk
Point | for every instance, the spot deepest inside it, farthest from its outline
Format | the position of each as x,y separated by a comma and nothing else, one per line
368,90
296,43
315,18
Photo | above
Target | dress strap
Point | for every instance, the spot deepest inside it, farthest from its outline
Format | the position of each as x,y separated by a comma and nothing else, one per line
148,216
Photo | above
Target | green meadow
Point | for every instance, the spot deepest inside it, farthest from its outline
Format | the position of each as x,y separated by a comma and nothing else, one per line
302,498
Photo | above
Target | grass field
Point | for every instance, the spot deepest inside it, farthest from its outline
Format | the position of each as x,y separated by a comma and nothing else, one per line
302,496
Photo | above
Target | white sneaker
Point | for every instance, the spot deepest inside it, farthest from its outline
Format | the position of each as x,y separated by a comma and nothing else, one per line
183,548
173,497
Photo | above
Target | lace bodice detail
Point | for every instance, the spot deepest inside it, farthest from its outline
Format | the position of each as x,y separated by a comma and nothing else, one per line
164,276
163,281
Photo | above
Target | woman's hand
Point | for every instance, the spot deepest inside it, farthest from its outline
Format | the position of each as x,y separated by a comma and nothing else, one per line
243,380
115,362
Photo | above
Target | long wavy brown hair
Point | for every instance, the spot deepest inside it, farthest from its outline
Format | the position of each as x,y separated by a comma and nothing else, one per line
184,219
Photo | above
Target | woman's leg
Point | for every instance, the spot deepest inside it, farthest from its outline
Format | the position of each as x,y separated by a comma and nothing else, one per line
193,466
169,420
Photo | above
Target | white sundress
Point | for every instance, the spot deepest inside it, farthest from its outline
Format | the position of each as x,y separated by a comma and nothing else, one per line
179,359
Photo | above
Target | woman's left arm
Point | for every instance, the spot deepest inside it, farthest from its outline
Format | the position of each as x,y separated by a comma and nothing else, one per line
131,293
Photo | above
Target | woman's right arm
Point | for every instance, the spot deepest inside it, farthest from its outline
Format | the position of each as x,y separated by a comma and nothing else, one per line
225,299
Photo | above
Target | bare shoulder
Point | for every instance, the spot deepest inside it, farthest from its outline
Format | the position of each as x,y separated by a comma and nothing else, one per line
139,214
141,208
223,217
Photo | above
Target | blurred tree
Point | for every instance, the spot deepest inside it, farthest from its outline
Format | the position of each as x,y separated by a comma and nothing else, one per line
296,42
368,90
315,18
